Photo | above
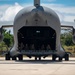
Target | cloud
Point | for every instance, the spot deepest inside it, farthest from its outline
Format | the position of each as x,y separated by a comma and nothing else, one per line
49,0
3,9
69,18
65,13
10,12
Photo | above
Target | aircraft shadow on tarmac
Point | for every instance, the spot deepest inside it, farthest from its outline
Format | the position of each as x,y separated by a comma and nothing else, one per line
37,62
46,62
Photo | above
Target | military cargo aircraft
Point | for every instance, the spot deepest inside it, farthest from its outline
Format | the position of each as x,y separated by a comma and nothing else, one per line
37,34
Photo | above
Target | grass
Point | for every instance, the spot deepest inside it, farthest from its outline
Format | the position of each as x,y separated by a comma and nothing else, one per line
70,49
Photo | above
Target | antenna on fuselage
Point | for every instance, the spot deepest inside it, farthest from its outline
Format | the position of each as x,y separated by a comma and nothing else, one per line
36,3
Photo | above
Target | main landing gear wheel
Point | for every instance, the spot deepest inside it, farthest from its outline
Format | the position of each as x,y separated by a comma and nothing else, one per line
39,58
66,57
7,56
35,58
20,57
53,57
14,58
60,58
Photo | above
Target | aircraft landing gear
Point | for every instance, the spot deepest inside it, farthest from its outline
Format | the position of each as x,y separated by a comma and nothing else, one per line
66,57
7,56
14,58
35,58
60,58
39,58
20,57
53,57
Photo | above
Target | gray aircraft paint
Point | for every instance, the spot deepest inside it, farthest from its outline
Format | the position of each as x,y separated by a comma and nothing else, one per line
47,17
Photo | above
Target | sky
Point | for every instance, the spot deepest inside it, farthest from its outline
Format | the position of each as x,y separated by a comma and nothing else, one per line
64,8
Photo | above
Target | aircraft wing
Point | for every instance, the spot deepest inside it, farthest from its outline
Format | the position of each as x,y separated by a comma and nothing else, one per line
6,24
68,26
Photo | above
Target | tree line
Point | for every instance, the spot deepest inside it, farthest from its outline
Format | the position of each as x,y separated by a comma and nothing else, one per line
8,40
66,39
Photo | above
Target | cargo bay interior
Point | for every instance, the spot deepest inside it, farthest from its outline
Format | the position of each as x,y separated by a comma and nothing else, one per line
36,38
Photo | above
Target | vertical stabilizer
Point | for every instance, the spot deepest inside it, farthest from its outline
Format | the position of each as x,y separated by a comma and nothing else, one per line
36,3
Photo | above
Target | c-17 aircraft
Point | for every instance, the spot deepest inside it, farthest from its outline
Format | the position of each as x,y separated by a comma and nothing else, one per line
37,34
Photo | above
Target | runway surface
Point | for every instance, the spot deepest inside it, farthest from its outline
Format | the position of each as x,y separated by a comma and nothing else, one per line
31,67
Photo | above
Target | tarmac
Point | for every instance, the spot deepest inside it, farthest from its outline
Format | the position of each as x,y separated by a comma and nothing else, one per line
32,67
